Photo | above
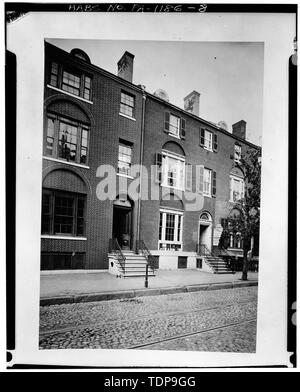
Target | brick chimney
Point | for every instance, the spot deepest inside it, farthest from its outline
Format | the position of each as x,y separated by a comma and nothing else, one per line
239,129
125,66
192,103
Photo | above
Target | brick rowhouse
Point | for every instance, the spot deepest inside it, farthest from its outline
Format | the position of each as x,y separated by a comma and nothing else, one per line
95,118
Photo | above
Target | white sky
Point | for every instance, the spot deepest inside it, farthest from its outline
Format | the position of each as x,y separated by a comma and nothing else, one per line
229,76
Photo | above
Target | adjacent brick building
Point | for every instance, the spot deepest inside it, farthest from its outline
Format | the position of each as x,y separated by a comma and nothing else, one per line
94,118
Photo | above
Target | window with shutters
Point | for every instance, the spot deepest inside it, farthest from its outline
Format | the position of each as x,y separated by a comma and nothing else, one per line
66,139
174,125
170,230
62,213
236,188
127,104
207,182
172,171
208,136
72,81
208,140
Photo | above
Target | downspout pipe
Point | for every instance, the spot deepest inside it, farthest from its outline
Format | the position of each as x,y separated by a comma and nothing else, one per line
141,168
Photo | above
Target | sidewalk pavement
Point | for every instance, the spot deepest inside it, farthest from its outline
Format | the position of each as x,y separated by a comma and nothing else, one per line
58,288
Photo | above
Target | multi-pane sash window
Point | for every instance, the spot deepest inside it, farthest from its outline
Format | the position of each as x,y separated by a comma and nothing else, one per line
170,230
237,153
62,213
173,171
174,125
74,82
207,182
71,83
236,241
66,139
236,188
208,140
124,159
127,104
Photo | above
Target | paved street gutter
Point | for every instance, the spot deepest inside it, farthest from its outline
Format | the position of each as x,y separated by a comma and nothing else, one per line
109,295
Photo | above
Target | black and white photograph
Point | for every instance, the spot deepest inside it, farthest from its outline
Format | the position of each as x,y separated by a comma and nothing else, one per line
148,152
142,195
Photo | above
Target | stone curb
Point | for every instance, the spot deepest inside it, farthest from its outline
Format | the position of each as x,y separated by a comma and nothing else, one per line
105,296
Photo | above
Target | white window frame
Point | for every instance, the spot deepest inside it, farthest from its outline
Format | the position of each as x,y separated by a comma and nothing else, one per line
208,140
176,241
237,153
172,127
242,191
180,167
210,178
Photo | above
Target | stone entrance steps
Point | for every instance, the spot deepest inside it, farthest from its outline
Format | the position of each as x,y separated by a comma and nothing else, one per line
135,265
218,265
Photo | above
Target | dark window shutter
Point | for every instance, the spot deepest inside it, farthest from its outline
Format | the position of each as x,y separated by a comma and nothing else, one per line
167,122
215,145
201,136
182,128
214,184
200,179
158,164
188,176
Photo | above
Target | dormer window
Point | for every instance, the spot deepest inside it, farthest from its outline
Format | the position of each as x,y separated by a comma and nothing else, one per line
74,82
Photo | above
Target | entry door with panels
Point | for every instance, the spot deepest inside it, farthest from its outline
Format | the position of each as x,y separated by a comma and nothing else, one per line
122,226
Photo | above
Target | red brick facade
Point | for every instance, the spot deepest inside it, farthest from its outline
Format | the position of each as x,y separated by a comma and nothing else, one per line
106,128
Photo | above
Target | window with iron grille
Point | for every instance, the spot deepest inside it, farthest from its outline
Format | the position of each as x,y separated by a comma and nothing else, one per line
63,213
75,82
127,104
66,139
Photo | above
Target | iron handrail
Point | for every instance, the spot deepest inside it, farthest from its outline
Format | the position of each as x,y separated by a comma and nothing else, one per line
203,250
115,247
141,246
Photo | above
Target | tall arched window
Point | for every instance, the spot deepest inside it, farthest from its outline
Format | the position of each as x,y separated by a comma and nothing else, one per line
67,133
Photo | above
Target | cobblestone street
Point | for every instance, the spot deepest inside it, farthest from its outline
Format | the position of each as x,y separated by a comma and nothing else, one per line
217,320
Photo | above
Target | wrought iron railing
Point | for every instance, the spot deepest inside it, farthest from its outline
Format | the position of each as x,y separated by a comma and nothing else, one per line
203,250
141,246
114,247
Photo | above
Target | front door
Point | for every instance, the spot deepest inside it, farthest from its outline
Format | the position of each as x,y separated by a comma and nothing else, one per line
122,217
205,235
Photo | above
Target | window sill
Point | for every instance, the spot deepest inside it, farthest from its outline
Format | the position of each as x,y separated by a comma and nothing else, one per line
208,149
65,162
176,137
173,187
58,237
71,95
125,115
124,175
